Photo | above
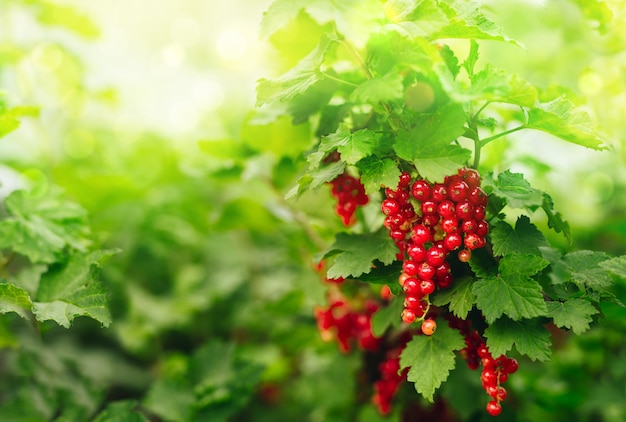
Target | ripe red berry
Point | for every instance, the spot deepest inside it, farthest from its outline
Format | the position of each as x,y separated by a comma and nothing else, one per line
464,210
453,241
439,192
470,176
494,408
469,226
477,196
421,190
511,365
429,327
430,220
410,268
412,286
473,241
405,180
413,302
421,234
444,281
482,228
458,191
479,212
427,287
429,207
425,271
435,257
489,377
446,209
390,206
416,252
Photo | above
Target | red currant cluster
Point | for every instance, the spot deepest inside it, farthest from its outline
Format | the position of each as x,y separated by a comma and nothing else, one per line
495,371
350,194
341,322
390,379
449,216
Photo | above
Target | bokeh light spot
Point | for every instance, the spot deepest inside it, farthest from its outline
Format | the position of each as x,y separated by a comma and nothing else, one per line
231,45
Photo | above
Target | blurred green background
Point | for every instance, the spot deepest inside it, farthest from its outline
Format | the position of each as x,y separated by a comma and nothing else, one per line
145,119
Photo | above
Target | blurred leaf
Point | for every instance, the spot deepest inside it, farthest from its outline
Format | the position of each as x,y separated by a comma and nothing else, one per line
467,21
562,119
14,299
296,81
317,178
431,358
555,219
388,316
171,399
525,238
574,314
512,292
615,266
71,289
472,58
415,19
279,137
529,337
120,411
496,85
65,16
377,90
586,270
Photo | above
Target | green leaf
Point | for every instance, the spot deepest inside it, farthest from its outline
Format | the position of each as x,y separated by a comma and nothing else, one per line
562,119
530,338
512,292
525,238
496,85
466,21
355,253
388,316
414,19
171,399
377,90
460,297
452,62
8,125
573,313
65,16
555,220
297,80
586,270
359,145
14,299
615,266
516,191
279,137
317,178
472,58
428,144
73,289
431,358
377,172
40,227
120,411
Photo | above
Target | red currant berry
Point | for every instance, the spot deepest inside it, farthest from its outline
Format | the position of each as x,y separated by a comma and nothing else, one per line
470,176
425,271
458,191
410,268
413,302
453,241
494,408
450,225
446,209
411,286
511,366
472,241
465,255
482,228
435,257
405,180
408,316
397,235
479,212
469,226
443,270
429,207
427,287
416,252
444,281
407,211
500,394
464,210
477,196
430,220
390,206
502,377
429,327
420,190
483,352
439,192
489,377
421,234
403,278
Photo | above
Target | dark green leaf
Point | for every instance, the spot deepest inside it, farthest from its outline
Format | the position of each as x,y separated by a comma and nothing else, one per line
512,292
121,411
460,297
585,269
574,314
555,220
615,266
525,238
562,119
377,172
529,337
431,358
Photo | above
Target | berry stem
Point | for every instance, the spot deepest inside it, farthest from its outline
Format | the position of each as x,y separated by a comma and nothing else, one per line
336,79
485,141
